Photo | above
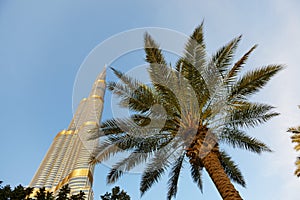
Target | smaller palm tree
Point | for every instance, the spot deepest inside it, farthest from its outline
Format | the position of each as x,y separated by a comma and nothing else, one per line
296,139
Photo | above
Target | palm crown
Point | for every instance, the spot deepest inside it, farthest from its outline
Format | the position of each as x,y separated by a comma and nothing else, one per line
185,114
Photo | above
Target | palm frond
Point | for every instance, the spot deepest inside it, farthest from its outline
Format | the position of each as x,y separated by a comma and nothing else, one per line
114,144
237,138
177,95
159,163
195,50
223,57
231,169
198,35
162,76
196,175
297,171
296,139
104,151
127,164
119,89
132,125
153,172
254,80
130,82
294,129
169,83
138,133
153,53
174,176
135,125
196,80
168,99
143,148
250,115
125,141
112,126
142,99
192,65
113,175
136,88
233,72
138,97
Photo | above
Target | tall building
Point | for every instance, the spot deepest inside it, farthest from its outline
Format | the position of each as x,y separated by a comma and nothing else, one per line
68,158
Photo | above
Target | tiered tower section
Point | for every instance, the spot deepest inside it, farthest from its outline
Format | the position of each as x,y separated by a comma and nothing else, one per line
68,158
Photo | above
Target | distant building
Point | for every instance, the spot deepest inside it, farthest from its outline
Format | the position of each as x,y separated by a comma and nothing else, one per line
68,158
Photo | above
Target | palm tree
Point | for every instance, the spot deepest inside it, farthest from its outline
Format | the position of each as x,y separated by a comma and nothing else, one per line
186,114
296,139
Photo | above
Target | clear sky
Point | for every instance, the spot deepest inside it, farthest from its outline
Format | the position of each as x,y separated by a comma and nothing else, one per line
44,43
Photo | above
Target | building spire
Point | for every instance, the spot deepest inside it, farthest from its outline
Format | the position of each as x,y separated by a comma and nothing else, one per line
90,108
99,83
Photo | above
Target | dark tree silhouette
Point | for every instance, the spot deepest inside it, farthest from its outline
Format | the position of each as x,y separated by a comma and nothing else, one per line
22,193
116,194
63,193
42,194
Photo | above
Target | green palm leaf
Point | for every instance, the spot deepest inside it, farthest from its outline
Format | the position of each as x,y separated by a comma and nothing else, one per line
231,169
195,53
174,176
197,81
233,72
134,94
250,114
254,80
113,175
127,164
222,59
153,53
237,138
104,151
153,172
196,175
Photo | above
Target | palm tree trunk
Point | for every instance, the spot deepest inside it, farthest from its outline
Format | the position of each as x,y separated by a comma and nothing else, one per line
205,150
216,172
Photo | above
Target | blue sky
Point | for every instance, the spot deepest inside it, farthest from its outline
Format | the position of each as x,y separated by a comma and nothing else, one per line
43,45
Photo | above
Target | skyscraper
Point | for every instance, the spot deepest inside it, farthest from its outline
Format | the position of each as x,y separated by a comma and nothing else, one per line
67,160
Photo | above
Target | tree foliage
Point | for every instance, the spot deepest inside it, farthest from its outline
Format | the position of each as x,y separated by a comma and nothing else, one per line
115,194
22,193
189,110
